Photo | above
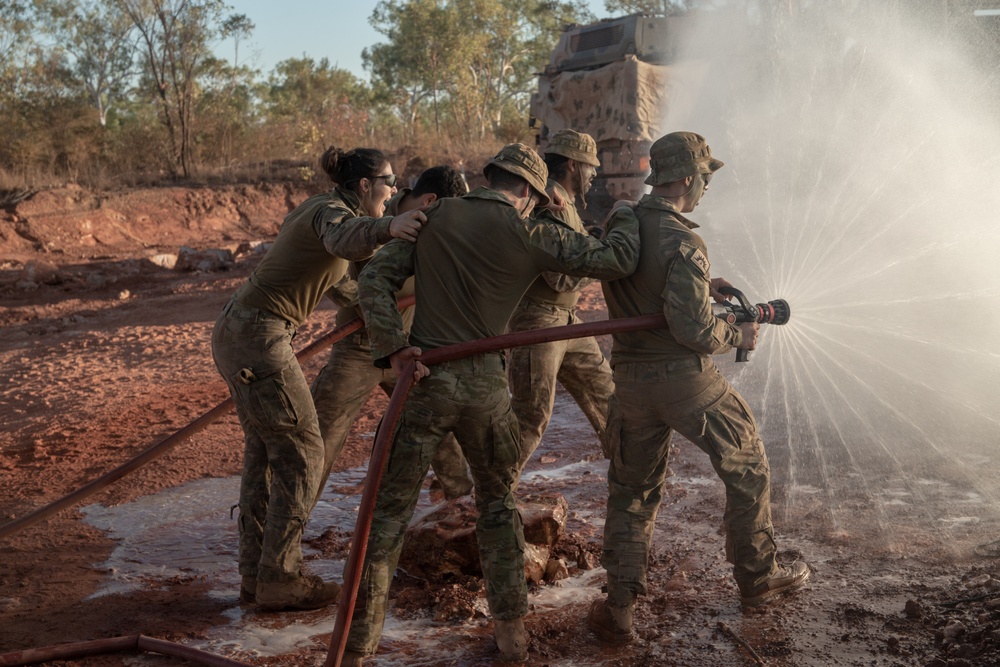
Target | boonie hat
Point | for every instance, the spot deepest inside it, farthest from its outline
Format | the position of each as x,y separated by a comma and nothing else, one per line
679,154
574,145
523,161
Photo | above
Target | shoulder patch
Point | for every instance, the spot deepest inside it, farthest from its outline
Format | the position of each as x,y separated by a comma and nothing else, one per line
696,256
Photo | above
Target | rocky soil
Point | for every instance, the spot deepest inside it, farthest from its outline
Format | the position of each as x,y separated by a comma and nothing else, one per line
104,352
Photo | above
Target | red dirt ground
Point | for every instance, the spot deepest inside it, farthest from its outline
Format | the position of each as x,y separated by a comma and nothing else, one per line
104,353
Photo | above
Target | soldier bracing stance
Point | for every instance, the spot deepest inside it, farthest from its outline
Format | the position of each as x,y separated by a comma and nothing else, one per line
476,257
665,381
343,385
283,458
578,364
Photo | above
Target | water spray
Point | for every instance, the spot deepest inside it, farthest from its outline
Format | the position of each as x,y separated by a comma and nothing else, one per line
772,312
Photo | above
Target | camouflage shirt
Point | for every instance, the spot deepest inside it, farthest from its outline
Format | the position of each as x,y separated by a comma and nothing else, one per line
472,263
672,278
553,288
310,253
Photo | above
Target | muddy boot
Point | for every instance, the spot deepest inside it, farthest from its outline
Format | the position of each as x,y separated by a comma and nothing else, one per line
612,624
308,592
785,580
512,640
248,590
352,659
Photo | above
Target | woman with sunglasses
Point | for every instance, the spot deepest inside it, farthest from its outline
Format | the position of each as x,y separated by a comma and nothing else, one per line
283,460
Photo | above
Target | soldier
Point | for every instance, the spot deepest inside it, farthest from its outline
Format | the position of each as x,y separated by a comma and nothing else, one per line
477,256
664,381
550,301
342,387
251,345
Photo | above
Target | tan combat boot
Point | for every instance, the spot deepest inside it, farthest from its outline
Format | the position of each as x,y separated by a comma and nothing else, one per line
785,580
248,590
307,592
512,640
352,659
612,624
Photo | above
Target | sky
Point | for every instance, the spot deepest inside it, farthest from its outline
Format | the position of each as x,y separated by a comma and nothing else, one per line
336,30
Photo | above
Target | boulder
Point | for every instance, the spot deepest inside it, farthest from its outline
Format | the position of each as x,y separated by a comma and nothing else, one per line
443,540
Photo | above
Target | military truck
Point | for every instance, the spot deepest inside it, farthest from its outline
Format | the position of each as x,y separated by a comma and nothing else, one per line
610,79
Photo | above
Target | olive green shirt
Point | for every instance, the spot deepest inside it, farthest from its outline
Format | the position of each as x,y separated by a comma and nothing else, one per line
672,278
553,288
472,264
345,294
310,254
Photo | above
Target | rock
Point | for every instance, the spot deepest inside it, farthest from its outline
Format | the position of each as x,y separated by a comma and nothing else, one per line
913,609
544,517
953,630
978,582
213,259
556,570
443,540
586,560
166,261
38,271
536,557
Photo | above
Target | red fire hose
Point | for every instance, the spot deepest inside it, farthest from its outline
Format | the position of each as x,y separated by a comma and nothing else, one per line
383,440
33,656
171,441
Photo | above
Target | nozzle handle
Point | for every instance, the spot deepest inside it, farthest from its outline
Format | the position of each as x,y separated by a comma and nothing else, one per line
742,355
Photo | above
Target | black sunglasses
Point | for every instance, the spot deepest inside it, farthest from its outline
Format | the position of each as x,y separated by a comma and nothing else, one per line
390,179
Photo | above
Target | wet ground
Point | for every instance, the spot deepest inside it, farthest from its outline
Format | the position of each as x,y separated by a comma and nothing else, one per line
92,374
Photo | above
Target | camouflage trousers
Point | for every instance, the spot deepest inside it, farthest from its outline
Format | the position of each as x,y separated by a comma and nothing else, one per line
341,390
691,397
283,450
578,365
467,397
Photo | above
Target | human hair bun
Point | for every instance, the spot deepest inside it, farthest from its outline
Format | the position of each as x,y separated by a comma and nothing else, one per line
330,162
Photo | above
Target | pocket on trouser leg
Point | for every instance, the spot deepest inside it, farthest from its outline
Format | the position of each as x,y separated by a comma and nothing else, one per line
611,443
265,401
504,449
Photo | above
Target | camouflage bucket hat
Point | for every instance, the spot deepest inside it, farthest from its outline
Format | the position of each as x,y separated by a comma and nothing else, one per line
680,154
522,161
574,145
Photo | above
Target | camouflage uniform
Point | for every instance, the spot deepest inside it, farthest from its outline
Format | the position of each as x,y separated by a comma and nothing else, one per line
666,381
578,364
251,344
342,388
475,258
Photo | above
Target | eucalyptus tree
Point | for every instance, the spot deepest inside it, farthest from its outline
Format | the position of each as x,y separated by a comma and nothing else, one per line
176,38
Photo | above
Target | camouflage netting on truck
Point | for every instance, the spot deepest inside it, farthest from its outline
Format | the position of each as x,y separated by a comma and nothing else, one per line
623,101
622,105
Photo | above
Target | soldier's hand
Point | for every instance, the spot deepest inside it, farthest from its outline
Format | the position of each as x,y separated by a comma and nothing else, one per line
556,202
713,287
749,330
402,357
407,225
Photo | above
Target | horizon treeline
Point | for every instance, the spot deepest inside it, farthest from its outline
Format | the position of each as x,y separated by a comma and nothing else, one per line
118,92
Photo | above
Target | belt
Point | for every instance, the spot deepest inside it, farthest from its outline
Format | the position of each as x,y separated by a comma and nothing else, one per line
660,370
238,311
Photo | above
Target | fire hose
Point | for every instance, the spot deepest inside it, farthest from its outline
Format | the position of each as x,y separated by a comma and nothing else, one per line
171,441
74,650
383,440
773,312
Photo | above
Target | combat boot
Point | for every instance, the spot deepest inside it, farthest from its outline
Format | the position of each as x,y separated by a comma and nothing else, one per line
512,640
785,580
307,592
612,624
352,659
248,590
